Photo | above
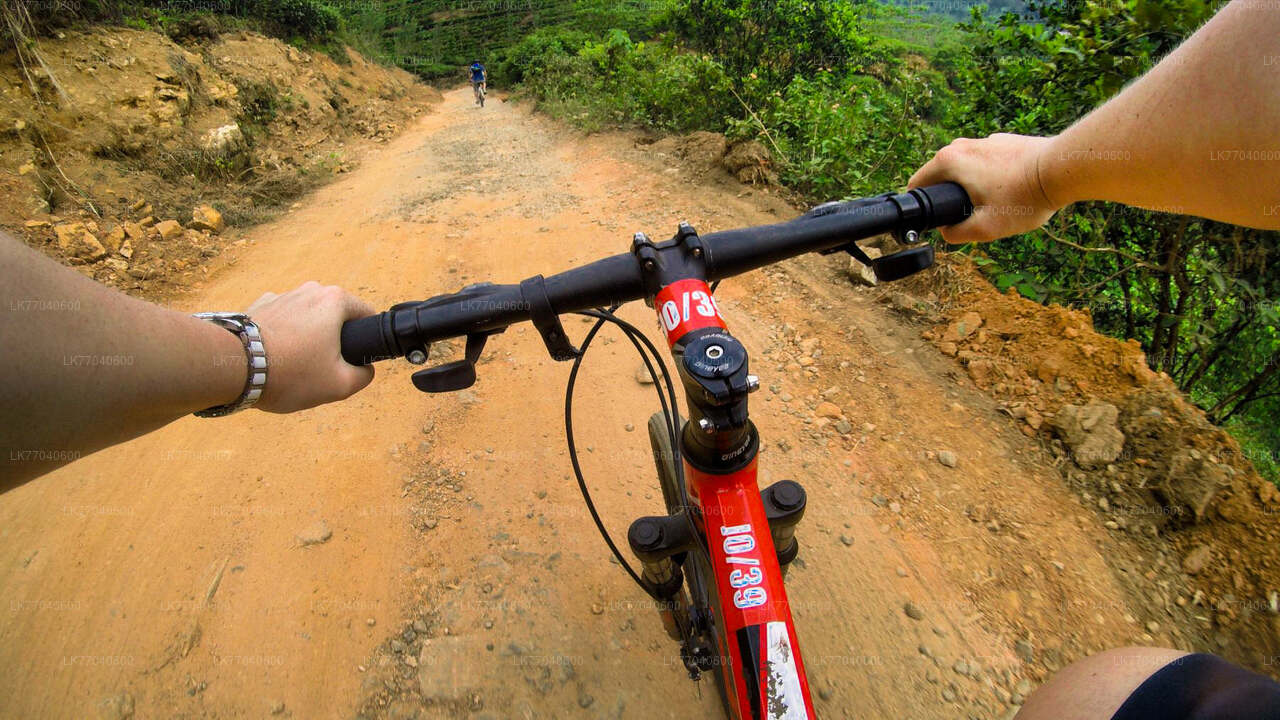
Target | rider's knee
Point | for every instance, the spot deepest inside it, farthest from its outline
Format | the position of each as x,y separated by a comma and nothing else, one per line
1096,686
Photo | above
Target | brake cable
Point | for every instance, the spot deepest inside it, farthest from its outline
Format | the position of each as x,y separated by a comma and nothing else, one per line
647,350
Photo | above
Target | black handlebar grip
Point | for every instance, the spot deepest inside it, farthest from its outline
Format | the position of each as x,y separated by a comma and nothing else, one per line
948,203
367,340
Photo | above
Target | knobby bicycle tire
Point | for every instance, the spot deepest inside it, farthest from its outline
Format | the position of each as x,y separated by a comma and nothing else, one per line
697,572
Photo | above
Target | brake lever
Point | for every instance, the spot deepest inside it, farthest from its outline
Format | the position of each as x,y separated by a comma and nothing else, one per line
894,266
456,375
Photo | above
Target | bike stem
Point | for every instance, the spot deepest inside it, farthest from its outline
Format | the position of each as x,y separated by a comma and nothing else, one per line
713,365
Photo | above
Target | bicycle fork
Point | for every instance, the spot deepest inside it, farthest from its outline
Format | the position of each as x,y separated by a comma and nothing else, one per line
662,542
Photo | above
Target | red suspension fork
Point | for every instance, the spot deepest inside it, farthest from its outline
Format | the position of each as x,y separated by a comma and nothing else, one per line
762,667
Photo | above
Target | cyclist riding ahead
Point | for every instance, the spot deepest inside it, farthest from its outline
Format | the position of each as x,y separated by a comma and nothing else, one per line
299,354
479,78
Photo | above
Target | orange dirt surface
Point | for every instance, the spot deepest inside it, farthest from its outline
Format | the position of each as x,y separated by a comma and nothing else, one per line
403,555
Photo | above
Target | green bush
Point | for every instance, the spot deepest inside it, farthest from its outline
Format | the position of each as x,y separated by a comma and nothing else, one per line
530,57
307,18
615,81
849,134
774,39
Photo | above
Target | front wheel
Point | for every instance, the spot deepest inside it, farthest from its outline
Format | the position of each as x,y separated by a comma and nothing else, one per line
664,458
697,571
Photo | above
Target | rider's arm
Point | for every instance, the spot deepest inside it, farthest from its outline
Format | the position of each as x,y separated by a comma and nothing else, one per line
1195,135
83,366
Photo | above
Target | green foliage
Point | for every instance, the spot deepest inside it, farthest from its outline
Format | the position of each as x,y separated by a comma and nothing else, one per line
846,111
773,38
531,57
437,39
1038,77
308,18
851,133
615,81
957,10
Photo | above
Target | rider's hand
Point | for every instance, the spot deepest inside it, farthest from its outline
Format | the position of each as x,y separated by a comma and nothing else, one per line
1001,177
301,330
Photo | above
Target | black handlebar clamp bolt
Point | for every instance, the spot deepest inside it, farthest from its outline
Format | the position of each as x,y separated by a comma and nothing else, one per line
645,251
646,254
688,237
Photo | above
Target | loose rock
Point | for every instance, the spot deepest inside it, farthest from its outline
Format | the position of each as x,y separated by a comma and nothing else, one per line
642,376
205,217
315,535
962,328
1191,484
168,229
1197,559
1091,433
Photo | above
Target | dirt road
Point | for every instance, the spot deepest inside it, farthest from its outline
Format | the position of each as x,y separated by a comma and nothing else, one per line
172,576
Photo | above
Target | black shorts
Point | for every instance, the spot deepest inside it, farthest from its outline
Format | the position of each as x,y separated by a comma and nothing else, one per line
1203,687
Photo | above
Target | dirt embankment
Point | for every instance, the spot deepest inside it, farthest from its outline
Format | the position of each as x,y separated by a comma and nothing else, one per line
1199,520
126,153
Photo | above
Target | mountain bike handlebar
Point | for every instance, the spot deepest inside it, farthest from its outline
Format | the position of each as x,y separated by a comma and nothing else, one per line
480,310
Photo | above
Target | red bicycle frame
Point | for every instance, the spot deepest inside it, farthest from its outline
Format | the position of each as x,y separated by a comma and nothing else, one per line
761,665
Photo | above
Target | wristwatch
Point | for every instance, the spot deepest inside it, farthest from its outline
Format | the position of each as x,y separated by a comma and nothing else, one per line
242,327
